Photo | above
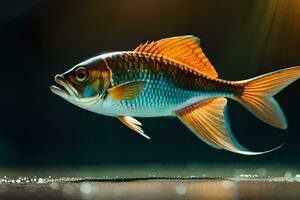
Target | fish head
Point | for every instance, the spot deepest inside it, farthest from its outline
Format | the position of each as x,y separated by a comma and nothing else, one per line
83,85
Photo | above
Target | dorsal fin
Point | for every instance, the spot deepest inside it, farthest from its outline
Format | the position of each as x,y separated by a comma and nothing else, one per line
184,49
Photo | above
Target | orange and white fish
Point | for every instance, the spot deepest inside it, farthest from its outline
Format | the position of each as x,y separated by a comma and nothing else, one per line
172,77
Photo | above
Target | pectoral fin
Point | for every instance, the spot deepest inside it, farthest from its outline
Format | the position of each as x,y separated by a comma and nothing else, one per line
208,120
127,91
133,124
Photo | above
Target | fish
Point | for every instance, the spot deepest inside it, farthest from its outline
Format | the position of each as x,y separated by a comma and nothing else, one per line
172,77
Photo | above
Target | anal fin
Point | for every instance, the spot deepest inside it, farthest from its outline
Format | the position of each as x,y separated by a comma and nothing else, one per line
133,124
208,120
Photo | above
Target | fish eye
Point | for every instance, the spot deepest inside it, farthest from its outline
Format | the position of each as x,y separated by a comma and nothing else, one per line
81,74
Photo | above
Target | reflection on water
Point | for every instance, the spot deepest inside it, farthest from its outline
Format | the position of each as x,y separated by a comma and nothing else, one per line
135,183
234,188
180,189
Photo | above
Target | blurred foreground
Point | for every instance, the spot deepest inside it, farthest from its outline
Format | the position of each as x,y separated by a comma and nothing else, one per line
153,182
157,189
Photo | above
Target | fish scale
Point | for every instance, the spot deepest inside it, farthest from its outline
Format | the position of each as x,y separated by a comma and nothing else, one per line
161,91
173,77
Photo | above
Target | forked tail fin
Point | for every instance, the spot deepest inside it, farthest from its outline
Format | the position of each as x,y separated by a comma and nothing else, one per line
208,118
258,92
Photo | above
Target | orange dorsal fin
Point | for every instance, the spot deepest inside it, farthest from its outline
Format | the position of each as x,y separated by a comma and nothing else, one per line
184,49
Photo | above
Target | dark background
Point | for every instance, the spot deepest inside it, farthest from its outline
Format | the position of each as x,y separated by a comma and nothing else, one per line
40,38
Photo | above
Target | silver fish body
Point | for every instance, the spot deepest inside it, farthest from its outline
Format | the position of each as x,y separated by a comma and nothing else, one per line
173,77
169,88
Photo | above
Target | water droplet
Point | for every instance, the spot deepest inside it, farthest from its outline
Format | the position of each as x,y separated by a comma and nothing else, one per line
85,188
181,189
227,184
40,180
54,186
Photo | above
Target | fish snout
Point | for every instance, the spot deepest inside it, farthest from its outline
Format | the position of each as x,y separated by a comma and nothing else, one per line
62,91
58,78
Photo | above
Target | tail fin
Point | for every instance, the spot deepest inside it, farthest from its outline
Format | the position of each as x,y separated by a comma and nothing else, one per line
257,95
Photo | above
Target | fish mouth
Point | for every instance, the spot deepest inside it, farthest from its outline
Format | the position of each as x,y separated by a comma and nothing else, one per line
64,91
